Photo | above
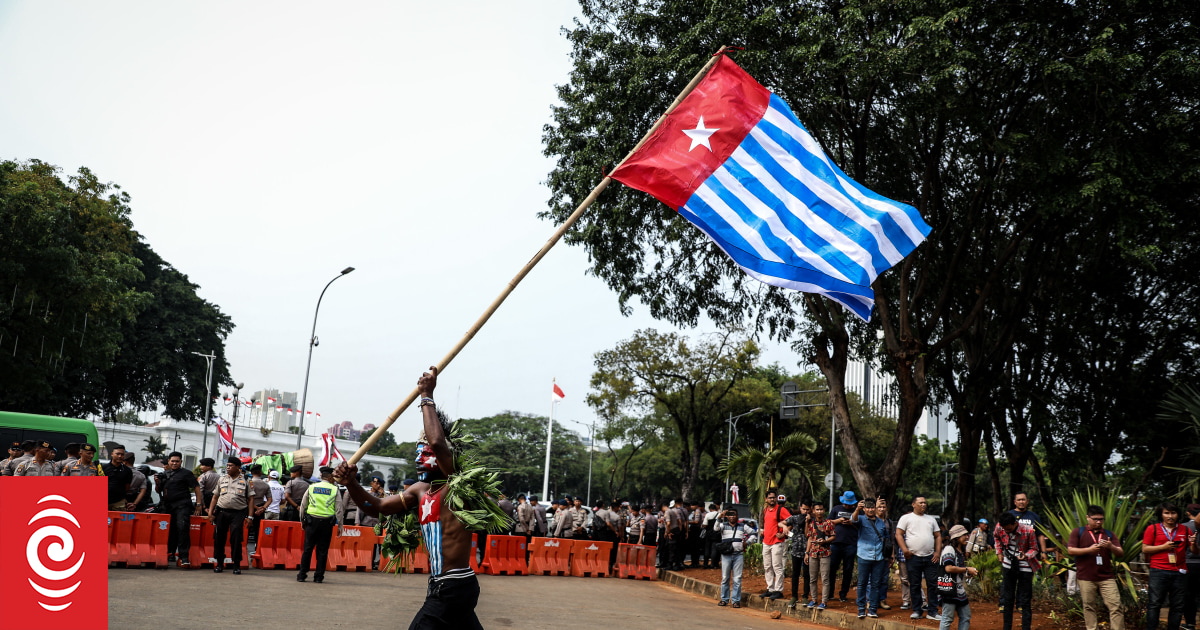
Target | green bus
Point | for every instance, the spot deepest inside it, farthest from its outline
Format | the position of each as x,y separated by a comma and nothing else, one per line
18,427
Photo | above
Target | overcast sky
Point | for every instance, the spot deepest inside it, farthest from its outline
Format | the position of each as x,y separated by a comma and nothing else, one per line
269,145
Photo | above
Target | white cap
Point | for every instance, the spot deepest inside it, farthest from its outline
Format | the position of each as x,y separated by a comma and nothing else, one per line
274,474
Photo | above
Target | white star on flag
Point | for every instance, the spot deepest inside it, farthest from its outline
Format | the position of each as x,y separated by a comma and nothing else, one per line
426,509
700,135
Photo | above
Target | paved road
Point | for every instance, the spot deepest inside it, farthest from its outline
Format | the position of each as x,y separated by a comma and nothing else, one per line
175,598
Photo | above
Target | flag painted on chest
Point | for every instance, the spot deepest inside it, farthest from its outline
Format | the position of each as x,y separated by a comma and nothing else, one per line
735,161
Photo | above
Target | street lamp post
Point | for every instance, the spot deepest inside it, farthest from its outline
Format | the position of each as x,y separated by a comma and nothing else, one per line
729,444
312,341
591,450
207,402
237,388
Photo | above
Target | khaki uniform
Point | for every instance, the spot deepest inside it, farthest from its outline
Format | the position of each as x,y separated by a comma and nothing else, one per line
78,469
30,468
233,493
526,518
11,467
578,517
208,485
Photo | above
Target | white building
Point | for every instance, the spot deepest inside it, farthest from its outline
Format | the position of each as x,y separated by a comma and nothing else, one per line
188,438
879,391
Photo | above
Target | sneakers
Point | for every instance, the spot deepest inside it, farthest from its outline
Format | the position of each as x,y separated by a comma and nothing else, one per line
775,595
812,603
821,606
884,606
915,615
842,599
903,606
933,617
792,603
301,578
862,614
872,614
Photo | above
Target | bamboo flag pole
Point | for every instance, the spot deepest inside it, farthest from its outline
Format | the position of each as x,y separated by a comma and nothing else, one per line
512,284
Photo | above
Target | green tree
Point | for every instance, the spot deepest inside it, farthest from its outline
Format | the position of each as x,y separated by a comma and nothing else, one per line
386,442
762,469
691,384
1028,184
515,444
156,449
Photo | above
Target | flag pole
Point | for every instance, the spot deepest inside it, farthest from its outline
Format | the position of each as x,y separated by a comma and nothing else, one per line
512,284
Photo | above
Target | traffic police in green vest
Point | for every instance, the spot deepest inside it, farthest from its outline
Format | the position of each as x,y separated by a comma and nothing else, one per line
319,512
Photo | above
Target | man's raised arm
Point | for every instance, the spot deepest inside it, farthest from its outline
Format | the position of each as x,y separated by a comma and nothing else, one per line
435,435
373,505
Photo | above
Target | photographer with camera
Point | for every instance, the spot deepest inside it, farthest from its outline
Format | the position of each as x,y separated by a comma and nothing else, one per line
176,486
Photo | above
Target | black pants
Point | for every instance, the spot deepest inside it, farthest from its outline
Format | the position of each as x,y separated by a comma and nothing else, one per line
1166,588
1192,595
179,538
228,526
1017,584
449,602
675,542
207,496
842,557
289,513
711,557
317,535
695,544
799,572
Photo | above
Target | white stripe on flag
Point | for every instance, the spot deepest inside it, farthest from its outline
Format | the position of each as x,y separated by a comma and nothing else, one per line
714,201
802,136
828,194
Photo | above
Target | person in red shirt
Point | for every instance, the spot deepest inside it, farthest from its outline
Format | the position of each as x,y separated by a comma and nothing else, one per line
774,547
1165,546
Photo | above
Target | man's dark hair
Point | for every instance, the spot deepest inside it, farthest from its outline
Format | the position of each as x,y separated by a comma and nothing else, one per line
770,492
533,497
208,461
663,504
599,503
816,505
28,445
806,502
1093,510
1006,519
1165,507
117,447
175,454
72,448
1193,509
869,503
520,496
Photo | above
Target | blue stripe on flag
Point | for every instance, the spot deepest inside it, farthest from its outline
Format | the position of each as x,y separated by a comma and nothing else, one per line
858,299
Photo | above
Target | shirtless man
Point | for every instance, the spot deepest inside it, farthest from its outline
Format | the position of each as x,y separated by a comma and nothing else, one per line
453,589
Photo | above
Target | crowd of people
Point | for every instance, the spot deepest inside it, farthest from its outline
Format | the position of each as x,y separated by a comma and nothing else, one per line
859,539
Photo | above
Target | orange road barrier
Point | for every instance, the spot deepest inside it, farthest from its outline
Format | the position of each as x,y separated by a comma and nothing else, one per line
280,544
589,558
137,539
504,555
351,549
636,562
202,552
550,556
474,552
419,563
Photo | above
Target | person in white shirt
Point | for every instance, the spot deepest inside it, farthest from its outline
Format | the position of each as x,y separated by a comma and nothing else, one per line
732,535
918,536
276,491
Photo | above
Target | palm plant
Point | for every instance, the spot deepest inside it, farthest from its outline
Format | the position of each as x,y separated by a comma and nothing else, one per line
1182,406
760,469
1120,518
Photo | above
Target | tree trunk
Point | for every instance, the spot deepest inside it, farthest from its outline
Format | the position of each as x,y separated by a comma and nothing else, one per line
993,472
968,463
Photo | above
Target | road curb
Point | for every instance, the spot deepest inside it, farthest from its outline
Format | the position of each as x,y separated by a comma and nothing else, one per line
820,617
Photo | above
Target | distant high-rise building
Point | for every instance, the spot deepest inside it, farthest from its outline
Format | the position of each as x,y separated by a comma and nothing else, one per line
878,390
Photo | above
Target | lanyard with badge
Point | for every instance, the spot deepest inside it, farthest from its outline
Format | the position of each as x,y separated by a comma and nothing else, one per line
1099,558
1170,539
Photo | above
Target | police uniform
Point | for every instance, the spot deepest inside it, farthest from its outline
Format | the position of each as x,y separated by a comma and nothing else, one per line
319,511
14,452
296,489
79,469
233,501
208,486
32,468
16,461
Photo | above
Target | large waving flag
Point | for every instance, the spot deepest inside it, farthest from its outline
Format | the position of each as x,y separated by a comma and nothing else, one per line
226,436
329,450
733,159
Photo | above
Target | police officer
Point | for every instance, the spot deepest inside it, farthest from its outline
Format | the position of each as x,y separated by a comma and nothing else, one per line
229,508
14,451
40,465
85,466
319,511
27,448
208,480
294,491
72,451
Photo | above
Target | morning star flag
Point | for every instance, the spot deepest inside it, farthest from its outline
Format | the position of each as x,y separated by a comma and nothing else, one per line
734,160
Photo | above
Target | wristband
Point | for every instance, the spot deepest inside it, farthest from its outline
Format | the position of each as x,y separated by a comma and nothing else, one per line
426,401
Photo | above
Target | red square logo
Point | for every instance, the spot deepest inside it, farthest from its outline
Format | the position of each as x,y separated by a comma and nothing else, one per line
54,541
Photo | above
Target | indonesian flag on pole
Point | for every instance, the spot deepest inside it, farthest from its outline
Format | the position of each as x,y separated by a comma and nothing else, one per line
226,436
329,450
269,399
556,394
735,161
